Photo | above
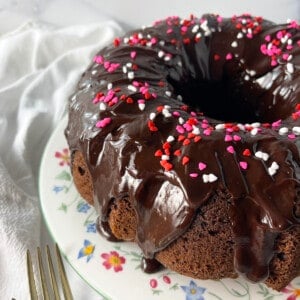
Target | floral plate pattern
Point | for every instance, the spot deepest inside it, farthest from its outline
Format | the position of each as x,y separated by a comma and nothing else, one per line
113,269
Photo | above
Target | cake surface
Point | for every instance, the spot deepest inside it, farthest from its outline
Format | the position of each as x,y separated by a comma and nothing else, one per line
185,135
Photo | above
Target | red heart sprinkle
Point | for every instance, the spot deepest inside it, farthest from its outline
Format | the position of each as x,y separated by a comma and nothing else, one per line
246,152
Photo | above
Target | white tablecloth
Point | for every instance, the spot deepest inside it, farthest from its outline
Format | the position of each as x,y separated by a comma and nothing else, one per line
39,66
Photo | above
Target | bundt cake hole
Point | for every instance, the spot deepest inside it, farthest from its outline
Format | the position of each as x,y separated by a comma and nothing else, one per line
225,100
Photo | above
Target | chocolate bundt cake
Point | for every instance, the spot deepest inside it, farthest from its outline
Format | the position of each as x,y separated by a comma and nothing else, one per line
184,136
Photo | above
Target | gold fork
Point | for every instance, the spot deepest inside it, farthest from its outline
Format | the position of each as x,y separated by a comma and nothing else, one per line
45,288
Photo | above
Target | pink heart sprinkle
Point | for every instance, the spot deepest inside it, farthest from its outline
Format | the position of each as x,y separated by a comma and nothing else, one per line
207,132
279,34
230,149
229,56
184,28
276,123
236,138
201,166
268,38
133,54
180,129
103,123
153,41
273,63
96,100
106,64
194,175
98,59
243,165
228,138
188,127
285,56
263,48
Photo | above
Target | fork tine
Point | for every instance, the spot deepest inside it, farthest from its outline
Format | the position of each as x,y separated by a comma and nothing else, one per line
52,274
42,275
65,284
32,286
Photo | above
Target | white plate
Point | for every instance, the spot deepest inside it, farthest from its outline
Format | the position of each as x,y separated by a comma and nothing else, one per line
112,269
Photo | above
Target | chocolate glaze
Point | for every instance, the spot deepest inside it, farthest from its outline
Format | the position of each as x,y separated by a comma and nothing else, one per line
222,70
104,229
150,265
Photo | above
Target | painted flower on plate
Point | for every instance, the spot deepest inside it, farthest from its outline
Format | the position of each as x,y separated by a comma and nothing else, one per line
293,291
193,292
113,260
63,156
83,207
91,227
87,250
56,189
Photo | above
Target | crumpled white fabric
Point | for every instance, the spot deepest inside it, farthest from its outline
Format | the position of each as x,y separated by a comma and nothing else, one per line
39,67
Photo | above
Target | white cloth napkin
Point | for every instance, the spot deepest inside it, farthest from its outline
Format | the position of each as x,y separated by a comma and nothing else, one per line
39,67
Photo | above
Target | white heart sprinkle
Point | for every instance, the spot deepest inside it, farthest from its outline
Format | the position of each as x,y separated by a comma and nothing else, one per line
132,88
130,75
161,54
209,178
234,44
290,68
296,130
179,98
255,124
181,120
254,131
102,106
141,106
263,155
273,169
239,35
152,116
196,130
170,138
220,126
283,130
195,29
